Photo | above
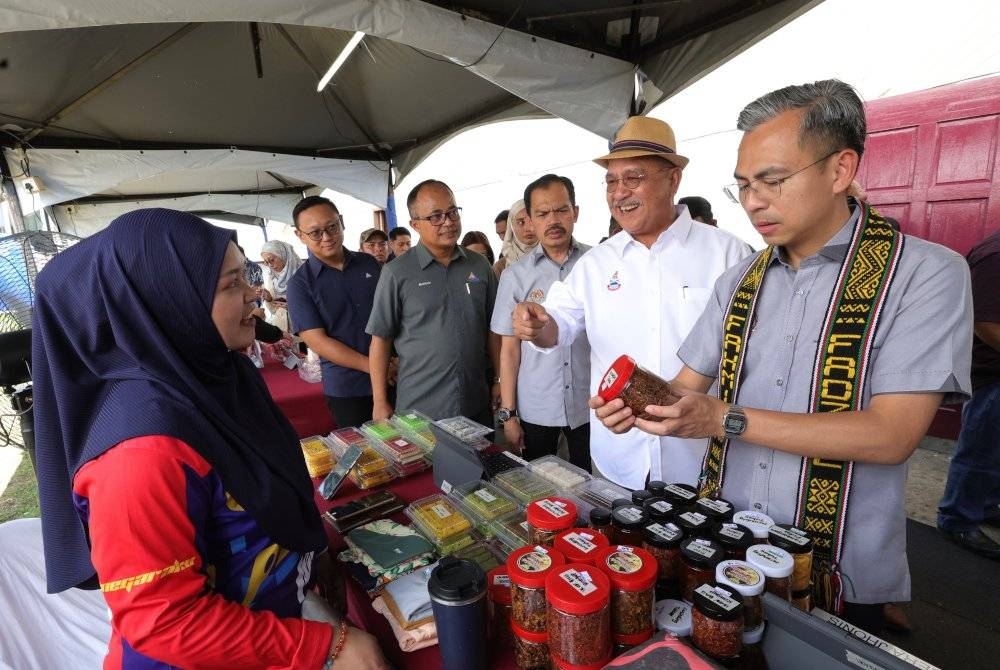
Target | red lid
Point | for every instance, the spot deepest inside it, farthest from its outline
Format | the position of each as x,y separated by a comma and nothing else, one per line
634,638
528,635
498,583
580,545
628,568
551,513
577,588
564,665
529,566
616,378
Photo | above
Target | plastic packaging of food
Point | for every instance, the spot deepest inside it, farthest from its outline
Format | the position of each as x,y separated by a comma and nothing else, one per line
498,589
635,385
411,421
698,560
562,474
601,493
528,568
777,566
579,615
734,538
632,573
511,530
318,455
673,616
748,581
523,485
758,522
465,429
627,521
441,522
483,502
663,541
716,509
343,438
380,429
796,542
681,496
717,622
580,545
372,469
531,650
694,524
547,517
479,553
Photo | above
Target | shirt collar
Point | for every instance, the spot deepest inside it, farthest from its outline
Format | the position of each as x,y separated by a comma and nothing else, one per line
680,230
316,265
425,257
836,247
537,253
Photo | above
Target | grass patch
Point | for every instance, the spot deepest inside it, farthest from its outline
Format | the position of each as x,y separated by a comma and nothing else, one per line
20,500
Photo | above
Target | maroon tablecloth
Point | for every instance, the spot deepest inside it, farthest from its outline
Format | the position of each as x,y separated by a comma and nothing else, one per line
359,606
301,402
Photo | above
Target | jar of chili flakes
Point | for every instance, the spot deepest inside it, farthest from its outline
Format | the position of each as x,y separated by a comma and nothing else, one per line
717,621
658,510
547,517
580,545
734,538
777,565
635,385
600,522
716,509
663,542
579,617
796,542
628,521
748,582
528,568
632,572
498,588
698,560
531,650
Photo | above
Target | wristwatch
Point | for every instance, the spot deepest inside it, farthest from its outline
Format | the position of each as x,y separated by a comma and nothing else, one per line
503,414
734,421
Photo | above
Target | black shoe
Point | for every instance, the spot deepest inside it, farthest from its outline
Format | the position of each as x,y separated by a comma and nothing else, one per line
975,541
992,516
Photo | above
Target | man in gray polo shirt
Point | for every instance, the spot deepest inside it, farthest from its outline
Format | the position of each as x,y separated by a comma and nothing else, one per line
543,396
800,150
434,304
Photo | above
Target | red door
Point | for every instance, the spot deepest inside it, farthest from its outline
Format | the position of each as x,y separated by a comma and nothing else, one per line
931,162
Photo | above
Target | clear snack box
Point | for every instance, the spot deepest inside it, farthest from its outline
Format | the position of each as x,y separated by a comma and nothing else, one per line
412,421
524,485
601,493
563,474
380,430
440,520
465,429
483,502
318,456
340,440
511,530
371,470
481,553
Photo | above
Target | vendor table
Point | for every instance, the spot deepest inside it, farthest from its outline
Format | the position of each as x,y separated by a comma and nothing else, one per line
359,606
301,402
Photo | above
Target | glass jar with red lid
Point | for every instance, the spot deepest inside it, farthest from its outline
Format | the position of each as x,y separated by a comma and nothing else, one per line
632,572
547,517
635,385
498,588
580,545
528,568
579,616
531,650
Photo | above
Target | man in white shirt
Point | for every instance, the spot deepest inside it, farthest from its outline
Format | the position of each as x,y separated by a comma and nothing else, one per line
639,293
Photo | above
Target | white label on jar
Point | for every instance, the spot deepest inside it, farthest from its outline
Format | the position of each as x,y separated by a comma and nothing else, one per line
534,561
715,505
442,511
793,536
623,562
631,514
577,540
501,580
552,507
578,581
701,547
624,547
609,379
486,496
446,486
694,518
664,532
717,597
610,494
680,491
731,530
586,536
663,506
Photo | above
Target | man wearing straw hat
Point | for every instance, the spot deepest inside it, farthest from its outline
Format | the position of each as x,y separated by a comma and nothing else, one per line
639,293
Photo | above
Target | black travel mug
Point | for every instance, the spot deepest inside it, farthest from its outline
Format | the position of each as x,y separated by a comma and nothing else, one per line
458,596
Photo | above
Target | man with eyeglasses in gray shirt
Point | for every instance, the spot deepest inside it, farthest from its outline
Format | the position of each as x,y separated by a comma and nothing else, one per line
434,305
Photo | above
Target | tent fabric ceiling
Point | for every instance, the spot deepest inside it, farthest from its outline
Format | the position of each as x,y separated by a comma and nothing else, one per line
177,74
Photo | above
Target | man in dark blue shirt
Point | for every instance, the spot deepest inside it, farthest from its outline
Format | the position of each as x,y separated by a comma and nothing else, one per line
329,300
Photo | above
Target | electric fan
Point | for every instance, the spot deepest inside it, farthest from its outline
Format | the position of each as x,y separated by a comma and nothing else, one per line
22,257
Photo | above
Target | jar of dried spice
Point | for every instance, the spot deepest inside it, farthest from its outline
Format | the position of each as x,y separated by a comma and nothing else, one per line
656,487
658,510
673,616
717,621
640,497
634,384
716,509
547,517
796,542
632,572
694,524
579,616
628,521
498,588
681,496
734,538
803,599
758,522
777,565
528,568
580,545
698,560
600,522
531,650
748,581
663,541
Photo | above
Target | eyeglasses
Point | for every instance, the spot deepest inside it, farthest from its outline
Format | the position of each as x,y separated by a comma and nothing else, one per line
544,215
271,260
333,230
631,181
767,188
437,218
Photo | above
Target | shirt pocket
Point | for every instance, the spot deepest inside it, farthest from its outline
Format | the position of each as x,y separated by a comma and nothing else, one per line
692,303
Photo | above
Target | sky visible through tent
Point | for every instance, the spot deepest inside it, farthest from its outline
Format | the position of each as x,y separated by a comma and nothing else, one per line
882,47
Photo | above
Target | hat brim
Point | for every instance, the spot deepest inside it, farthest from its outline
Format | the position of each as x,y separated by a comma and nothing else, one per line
676,159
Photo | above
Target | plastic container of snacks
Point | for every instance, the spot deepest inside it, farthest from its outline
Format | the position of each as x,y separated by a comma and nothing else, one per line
483,502
318,455
663,542
777,566
694,524
601,493
547,517
716,509
673,616
523,485
579,616
717,622
379,429
758,522
438,519
562,474
627,521
635,385
748,581
698,560
511,530
600,521
799,544
528,568
580,545
658,510
480,554
465,429
531,650
632,573
498,589
681,496
734,538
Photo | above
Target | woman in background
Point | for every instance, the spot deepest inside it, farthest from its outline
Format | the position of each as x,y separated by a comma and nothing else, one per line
167,475
477,241
282,263
519,239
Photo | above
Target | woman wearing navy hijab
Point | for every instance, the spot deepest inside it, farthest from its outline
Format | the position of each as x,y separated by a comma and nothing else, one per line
167,475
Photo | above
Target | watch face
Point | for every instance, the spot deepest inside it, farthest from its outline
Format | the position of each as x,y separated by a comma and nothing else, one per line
735,423
503,415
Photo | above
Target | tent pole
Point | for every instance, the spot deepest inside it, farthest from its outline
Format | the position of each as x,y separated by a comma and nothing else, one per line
10,193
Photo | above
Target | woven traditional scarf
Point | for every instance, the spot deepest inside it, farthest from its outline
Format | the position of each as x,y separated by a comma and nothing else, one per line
838,379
